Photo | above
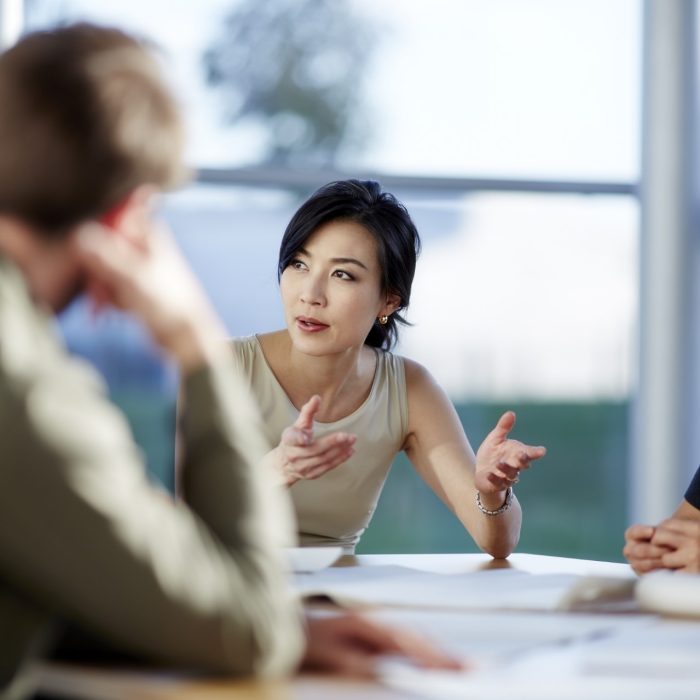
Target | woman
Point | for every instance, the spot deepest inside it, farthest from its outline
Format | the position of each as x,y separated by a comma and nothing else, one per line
674,543
346,266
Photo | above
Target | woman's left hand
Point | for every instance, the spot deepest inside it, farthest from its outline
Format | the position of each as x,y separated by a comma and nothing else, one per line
500,460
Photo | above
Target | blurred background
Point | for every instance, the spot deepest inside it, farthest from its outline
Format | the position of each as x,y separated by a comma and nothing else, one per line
511,129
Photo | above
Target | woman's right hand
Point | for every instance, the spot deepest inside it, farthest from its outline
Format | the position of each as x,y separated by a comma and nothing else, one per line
300,456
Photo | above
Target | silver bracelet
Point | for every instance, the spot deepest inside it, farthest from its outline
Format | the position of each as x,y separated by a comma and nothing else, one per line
506,504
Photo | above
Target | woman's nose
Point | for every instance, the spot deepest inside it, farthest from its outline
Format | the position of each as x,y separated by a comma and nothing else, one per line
313,292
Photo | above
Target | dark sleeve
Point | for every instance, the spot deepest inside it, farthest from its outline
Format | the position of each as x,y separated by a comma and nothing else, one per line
692,495
86,536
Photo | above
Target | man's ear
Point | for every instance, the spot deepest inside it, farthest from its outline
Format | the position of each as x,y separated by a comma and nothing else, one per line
131,214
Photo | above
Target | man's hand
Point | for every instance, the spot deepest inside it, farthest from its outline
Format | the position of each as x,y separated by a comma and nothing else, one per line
147,276
353,645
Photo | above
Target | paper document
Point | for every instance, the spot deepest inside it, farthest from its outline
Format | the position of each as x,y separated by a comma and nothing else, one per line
487,638
500,589
624,661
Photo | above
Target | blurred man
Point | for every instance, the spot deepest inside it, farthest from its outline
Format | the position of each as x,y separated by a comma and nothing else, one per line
89,133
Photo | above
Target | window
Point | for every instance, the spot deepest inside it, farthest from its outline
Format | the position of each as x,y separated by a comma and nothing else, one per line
522,300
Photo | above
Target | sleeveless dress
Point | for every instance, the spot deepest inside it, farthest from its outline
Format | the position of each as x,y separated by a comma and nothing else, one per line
336,508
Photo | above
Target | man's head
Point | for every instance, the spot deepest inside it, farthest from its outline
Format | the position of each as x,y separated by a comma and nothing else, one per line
85,118
86,121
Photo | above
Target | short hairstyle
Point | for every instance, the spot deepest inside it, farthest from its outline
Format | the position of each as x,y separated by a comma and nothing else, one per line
85,118
380,213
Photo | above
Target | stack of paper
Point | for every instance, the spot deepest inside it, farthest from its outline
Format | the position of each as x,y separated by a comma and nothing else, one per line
500,589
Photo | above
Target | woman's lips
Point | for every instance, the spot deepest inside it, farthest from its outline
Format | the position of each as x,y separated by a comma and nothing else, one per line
310,325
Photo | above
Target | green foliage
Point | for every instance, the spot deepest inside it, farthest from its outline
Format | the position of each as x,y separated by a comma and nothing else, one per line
574,500
295,68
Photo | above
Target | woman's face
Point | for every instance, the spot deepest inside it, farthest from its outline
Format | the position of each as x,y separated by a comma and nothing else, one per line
331,289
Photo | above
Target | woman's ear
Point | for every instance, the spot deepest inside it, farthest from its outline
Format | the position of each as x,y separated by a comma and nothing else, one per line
393,303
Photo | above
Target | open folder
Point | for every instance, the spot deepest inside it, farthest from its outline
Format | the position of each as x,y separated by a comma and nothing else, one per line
499,589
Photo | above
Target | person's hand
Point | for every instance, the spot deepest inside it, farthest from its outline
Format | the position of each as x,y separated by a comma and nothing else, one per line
500,460
300,456
353,645
680,541
640,551
147,276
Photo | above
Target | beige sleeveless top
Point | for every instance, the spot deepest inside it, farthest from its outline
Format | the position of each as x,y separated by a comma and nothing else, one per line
336,508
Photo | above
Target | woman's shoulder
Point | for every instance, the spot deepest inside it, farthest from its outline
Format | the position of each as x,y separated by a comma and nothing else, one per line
257,342
413,370
419,380
255,350
243,347
413,375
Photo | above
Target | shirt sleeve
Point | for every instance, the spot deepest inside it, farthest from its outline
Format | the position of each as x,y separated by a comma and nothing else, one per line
87,536
692,495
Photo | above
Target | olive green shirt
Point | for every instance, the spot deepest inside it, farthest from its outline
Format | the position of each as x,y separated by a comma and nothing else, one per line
84,537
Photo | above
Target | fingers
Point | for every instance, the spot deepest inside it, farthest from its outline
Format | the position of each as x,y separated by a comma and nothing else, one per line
669,535
497,482
318,457
532,453
386,639
680,541
305,421
644,551
503,427
504,476
331,460
298,447
686,560
639,533
679,526
513,457
105,258
295,437
352,645
645,566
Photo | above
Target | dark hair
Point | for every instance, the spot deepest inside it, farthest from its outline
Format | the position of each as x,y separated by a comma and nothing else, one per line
398,243
85,118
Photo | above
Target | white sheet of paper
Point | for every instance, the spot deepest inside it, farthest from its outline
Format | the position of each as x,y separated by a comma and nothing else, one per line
489,637
500,589
658,661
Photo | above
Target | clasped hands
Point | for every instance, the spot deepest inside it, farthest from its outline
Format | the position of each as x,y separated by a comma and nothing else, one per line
673,544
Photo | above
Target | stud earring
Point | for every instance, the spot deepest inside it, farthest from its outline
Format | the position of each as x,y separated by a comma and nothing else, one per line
383,320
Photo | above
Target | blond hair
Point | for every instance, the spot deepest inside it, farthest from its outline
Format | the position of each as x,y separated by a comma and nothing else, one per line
85,118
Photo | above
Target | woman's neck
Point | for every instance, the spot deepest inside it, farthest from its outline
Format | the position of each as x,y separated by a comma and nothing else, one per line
342,380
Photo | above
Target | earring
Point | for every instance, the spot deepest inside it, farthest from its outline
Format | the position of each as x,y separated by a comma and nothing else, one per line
383,320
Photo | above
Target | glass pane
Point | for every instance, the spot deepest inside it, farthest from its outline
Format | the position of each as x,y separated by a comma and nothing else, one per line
534,89
524,302
529,303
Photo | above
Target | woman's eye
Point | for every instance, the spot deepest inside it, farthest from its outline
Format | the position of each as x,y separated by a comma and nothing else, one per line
341,274
297,264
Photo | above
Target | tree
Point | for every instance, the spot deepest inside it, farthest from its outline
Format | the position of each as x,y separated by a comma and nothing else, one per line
295,67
